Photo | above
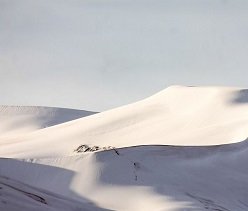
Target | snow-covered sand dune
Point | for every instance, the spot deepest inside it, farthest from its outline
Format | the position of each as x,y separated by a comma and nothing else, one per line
20,120
175,116
184,148
145,177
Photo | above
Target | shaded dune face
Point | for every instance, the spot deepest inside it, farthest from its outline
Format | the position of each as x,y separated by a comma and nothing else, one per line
20,196
241,97
184,148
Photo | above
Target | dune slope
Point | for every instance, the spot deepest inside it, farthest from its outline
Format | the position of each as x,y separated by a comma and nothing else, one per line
17,121
144,177
17,196
176,116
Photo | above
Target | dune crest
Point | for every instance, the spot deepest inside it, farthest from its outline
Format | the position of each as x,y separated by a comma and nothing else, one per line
183,116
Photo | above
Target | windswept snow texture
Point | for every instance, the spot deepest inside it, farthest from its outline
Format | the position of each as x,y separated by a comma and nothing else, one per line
183,149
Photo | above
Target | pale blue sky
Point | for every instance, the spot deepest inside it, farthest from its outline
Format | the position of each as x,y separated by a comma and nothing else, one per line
100,54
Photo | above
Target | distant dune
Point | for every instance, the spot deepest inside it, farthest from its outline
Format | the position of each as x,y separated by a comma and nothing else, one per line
19,120
184,148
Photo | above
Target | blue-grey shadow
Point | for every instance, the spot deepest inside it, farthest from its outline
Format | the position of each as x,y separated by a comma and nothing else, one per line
188,169
240,96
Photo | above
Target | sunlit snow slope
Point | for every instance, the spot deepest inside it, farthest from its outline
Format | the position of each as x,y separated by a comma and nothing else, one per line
176,116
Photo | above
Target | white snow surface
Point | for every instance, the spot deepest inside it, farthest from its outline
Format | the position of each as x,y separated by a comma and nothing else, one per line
184,148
